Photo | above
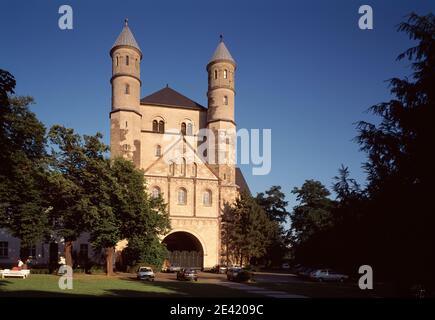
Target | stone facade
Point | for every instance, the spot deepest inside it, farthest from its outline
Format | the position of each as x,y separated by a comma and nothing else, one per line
160,134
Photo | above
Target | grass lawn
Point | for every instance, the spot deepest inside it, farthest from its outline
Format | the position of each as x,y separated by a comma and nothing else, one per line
101,286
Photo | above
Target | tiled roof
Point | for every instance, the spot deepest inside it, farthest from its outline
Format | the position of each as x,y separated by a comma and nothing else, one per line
169,97
241,182
126,38
221,53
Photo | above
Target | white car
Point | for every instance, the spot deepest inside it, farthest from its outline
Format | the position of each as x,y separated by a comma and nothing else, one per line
174,268
328,275
145,273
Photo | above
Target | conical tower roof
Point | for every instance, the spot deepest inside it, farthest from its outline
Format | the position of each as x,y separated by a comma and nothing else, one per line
126,38
221,53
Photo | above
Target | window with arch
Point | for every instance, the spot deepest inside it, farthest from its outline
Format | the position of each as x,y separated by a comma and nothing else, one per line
155,192
225,74
206,198
158,151
226,100
183,128
189,131
127,60
182,196
215,74
117,60
127,89
155,126
161,126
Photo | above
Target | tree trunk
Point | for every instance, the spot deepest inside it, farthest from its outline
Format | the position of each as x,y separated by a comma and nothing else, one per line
109,261
68,253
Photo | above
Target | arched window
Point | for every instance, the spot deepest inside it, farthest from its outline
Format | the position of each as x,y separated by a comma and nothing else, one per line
155,192
127,89
215,74
206,198
226,100
183,128
117,60
161,126
158,152
127,60
225,74
189,129
155,126
182,196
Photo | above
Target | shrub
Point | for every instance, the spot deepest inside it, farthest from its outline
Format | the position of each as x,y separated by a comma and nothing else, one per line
40,271
96,269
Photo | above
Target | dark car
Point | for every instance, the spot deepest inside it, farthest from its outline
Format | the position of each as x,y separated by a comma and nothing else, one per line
233,272
187,274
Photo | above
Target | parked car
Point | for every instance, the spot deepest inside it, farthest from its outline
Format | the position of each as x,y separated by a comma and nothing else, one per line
187,274
222,269
145,273
328,275
239,274
174,268
285,266
306,272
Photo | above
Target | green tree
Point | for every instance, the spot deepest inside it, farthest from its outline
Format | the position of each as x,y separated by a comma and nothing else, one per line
246,229
274,205
23,208
400,164
71,208
313,214
143,218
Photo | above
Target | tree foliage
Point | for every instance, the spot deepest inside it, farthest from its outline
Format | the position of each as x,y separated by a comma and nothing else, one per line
23,207
246,229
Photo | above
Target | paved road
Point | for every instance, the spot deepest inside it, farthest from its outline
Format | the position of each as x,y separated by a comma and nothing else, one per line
285,285
220,279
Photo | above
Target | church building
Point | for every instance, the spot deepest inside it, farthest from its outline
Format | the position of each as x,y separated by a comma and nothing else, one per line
187,151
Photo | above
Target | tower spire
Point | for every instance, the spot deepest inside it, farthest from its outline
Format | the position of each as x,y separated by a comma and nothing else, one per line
126,22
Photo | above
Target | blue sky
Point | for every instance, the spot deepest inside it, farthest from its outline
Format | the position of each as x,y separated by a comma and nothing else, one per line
305,69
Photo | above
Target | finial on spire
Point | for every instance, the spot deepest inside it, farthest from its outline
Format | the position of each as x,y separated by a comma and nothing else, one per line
221,38
126,22
167,85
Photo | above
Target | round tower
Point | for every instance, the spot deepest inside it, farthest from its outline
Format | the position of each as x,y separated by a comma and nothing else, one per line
220,114
125,116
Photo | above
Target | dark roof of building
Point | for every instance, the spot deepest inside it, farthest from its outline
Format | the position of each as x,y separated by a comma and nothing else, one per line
241,182
168,97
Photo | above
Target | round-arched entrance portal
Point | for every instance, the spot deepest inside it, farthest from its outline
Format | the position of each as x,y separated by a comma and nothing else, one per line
185,250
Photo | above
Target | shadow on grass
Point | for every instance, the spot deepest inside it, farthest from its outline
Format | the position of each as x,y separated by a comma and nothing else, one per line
176,289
